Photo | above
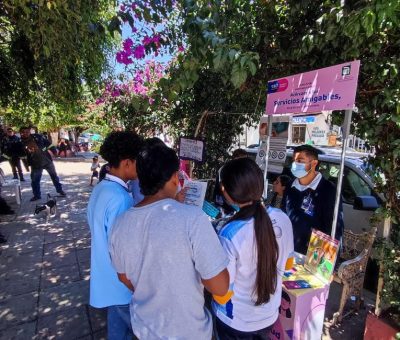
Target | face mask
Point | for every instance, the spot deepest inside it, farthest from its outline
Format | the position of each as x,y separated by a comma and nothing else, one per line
299,170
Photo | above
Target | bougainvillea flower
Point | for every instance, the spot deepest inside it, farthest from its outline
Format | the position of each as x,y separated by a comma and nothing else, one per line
147,40
139,52
123,57
156,39
127,45
115,93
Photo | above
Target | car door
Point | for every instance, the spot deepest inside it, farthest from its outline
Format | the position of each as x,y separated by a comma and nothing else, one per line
353,185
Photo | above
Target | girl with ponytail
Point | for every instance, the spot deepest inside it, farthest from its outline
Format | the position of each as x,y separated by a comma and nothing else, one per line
258,243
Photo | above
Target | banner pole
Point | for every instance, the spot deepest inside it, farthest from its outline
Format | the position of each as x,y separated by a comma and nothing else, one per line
345,136
269,122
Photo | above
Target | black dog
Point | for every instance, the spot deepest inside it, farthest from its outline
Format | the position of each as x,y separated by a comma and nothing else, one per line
50,206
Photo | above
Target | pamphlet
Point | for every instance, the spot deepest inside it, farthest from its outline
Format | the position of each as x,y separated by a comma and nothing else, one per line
210,210
321,255
195,193
297,284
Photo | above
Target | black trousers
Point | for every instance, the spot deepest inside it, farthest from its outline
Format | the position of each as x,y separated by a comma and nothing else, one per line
15,163
228,333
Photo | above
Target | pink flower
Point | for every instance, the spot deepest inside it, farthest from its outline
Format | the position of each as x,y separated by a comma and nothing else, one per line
119,57
139,52
127,44
115,93
122,8
151,101
134,29
139,77
133,6
181,48
147,40
156,39
99,101
123,57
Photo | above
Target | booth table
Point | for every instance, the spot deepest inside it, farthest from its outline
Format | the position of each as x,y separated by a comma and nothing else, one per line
301,315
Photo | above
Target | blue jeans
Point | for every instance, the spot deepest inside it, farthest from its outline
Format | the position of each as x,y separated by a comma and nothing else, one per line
119,323
36,176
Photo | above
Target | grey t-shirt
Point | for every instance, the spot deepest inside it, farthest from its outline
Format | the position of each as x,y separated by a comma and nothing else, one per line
165,248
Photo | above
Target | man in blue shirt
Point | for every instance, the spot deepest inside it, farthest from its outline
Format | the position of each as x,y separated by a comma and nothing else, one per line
109,199
310,200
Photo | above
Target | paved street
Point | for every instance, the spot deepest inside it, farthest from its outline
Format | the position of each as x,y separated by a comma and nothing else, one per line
44,268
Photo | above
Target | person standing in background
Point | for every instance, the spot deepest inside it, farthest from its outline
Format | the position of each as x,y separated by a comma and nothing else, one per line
279,186
39,159
14,149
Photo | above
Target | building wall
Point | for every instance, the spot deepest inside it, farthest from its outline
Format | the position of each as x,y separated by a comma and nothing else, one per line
316,130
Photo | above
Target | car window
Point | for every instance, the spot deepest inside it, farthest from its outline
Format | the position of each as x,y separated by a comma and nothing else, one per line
353,186
330,171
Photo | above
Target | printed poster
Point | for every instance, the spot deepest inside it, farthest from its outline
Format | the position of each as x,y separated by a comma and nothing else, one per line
277,146
191,149
321,255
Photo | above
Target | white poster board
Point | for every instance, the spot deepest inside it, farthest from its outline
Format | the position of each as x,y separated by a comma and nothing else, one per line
191,149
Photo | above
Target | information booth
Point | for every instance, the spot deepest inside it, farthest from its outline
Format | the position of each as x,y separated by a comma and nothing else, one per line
306,282
306,289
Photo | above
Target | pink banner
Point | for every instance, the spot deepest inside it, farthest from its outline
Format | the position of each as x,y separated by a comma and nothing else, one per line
330,88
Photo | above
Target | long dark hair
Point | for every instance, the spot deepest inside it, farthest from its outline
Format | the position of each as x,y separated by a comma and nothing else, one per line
243,181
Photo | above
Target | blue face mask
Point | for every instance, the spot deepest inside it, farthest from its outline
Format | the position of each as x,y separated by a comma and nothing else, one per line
299,170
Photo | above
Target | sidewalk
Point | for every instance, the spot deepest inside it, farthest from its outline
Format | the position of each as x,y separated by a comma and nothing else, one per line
44,269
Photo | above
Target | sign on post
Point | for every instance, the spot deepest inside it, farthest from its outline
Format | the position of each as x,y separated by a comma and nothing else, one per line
330,88
278,141
191,149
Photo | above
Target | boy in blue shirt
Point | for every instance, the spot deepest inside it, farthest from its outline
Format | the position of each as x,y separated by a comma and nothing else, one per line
109,199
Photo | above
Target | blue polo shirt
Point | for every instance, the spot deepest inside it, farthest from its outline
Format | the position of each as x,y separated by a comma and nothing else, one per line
109,199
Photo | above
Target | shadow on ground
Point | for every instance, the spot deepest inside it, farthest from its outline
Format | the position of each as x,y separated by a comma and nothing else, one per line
44,267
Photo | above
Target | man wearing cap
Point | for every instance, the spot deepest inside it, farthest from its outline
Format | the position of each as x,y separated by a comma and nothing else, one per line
310,200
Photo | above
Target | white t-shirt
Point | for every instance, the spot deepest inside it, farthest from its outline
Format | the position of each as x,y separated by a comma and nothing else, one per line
165,248
238,239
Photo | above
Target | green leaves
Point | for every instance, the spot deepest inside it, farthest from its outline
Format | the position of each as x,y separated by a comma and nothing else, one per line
67,48
238,76
368,22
